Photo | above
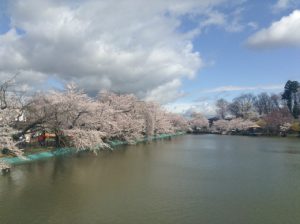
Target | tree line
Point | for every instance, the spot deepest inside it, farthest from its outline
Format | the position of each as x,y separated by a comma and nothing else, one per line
272,112
77,120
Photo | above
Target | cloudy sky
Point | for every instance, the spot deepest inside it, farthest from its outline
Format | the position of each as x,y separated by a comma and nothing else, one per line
185,54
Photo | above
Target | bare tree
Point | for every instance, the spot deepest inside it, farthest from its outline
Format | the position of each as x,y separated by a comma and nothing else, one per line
242,106
263,103
222,108
277,102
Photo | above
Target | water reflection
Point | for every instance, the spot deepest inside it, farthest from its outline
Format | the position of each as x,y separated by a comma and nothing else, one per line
189,179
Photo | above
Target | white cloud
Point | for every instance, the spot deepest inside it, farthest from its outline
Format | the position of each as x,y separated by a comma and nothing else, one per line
166,92
285,32
252,25
231,22
243,88
10,52
235,25
283,4
207,108
214,18
125,46
205,104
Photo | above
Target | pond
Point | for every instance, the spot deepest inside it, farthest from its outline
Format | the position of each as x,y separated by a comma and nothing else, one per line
208,179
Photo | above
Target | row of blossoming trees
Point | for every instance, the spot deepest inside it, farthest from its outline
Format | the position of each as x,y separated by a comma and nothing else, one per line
273,113
84,122
81,121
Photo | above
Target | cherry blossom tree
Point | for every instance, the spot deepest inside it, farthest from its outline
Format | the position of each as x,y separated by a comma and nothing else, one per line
162,121
133,119
221,125
124,115
179,123
276,119
237,124
87,139
198,122
10,113
67,114
7,119
83,122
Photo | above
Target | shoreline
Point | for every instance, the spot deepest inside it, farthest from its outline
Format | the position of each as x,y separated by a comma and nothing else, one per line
288,135
14,161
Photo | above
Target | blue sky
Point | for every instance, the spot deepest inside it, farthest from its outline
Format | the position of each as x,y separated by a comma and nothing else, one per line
231,63
182,54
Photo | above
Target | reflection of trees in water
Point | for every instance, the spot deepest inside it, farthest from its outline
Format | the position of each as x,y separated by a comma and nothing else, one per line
287,151
59,167
6,178
13,183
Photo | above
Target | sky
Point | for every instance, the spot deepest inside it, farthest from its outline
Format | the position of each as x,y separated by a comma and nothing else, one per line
183,54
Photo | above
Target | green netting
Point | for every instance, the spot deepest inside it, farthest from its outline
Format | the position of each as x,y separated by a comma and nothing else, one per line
37,156
117,143
65,151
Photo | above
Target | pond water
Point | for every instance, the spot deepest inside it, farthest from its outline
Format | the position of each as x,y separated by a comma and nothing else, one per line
207,179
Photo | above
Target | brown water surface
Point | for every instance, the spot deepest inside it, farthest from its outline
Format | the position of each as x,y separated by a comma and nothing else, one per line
205,179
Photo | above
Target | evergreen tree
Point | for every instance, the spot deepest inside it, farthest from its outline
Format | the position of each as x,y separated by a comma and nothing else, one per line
290,95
